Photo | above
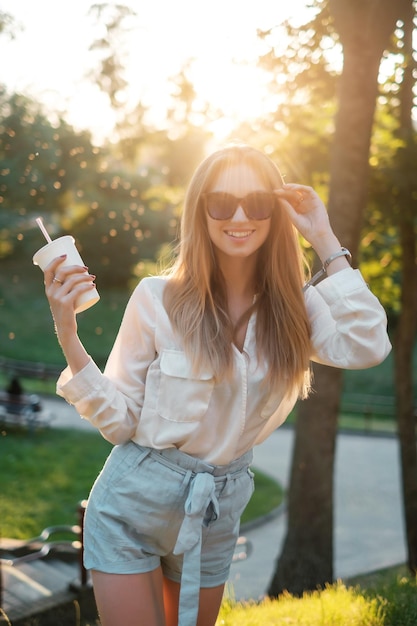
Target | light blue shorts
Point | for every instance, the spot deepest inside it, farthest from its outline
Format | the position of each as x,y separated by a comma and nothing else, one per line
151,508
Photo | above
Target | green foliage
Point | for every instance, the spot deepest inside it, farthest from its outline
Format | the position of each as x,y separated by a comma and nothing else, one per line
113,22
393,195
304,81
8,25
117,217
304,71
335,605
40,161
390,603
125,224
400,594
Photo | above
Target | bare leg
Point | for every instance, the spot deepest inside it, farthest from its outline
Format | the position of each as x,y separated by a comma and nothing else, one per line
129,599
210,601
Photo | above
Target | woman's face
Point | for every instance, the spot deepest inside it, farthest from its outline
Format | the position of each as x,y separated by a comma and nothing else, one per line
239,236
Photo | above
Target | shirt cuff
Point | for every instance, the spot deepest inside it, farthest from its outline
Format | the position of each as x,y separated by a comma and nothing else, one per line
77,387
340,285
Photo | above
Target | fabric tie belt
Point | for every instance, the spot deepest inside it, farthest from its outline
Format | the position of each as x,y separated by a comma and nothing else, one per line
200,497
201,508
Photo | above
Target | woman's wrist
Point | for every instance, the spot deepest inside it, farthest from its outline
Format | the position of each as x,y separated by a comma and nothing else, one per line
75,354
339,254
337,261
326,246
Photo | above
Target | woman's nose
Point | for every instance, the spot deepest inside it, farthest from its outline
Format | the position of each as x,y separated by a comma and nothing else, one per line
239,214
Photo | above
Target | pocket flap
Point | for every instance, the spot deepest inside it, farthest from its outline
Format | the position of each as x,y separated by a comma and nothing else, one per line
175,363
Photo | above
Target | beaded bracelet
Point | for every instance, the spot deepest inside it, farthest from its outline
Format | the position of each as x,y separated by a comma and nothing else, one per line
342,252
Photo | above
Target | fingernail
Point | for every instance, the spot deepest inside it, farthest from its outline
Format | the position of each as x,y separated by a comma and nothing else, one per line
63,256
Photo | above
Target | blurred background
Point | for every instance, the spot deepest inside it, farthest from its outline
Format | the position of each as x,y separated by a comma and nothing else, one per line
107,108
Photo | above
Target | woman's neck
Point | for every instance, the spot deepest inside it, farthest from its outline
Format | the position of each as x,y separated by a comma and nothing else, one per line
239,278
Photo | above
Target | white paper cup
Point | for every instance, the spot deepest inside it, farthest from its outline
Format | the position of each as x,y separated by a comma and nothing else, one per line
54,249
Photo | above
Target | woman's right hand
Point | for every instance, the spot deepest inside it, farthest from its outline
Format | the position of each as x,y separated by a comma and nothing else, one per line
63,285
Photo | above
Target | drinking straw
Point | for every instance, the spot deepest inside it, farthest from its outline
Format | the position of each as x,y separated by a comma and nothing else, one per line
43,229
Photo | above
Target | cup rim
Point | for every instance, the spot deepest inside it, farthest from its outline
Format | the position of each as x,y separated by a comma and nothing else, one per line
49,244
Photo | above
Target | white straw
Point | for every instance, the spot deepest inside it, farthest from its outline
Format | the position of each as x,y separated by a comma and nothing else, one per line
43,229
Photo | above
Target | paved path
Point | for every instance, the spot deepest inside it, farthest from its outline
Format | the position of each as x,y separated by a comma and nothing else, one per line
369,531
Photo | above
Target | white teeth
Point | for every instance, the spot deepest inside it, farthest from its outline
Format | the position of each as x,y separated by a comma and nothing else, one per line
239,233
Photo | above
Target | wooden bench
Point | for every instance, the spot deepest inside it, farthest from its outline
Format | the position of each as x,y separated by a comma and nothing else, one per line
22,410
36,575
29,369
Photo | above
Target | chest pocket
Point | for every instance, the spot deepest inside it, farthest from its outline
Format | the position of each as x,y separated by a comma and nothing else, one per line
183,396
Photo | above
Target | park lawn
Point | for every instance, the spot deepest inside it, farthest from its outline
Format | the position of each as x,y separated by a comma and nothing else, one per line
44,477
46,474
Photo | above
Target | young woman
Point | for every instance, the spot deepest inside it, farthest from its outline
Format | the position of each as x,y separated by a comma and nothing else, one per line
210,359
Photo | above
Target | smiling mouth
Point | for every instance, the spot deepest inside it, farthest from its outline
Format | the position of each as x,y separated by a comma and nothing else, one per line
239,234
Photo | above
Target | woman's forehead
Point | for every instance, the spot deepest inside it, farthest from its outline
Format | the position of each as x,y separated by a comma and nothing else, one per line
238,179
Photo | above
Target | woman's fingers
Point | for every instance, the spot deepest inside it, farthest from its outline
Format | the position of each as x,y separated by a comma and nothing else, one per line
58,273
64,283
306,211
298,196
50,270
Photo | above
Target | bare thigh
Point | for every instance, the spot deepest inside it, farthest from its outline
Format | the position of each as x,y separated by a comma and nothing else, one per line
209,605
129,599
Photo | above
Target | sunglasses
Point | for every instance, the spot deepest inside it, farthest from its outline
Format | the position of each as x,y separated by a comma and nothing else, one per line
257,205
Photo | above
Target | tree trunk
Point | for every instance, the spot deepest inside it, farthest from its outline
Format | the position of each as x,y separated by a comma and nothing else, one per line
403,358
407,323
306,560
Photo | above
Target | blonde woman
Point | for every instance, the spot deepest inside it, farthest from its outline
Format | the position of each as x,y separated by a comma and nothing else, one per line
210,358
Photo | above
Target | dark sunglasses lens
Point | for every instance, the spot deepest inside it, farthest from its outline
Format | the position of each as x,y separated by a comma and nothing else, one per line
220,206
259,205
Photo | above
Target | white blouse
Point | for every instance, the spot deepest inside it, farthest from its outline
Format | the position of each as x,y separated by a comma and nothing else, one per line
149,395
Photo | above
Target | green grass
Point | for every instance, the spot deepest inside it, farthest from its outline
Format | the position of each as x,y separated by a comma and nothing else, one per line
268,496
334,606
386,597
393,603
46,474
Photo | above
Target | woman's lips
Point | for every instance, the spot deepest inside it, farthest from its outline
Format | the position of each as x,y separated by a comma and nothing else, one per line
239,234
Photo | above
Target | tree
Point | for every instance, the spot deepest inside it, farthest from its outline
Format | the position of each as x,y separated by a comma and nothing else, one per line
407,323
390,262
304,83
306,560
7,25
40,160
113,20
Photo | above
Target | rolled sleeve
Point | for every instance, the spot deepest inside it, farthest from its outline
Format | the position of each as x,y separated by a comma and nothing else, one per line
113,401
348,323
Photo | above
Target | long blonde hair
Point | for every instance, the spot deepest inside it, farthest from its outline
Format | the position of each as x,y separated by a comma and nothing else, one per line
195,296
